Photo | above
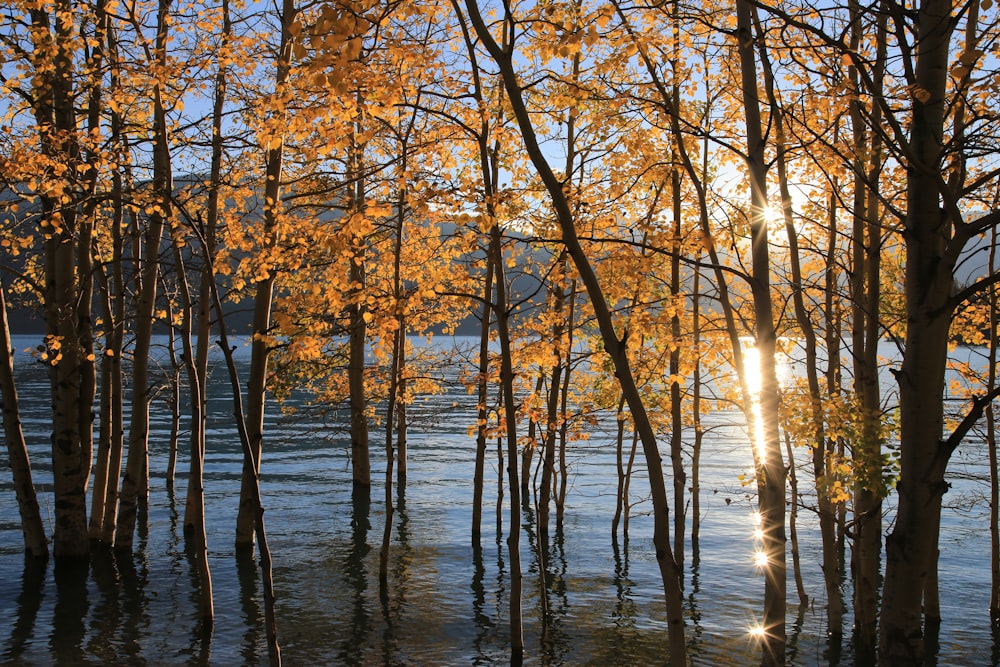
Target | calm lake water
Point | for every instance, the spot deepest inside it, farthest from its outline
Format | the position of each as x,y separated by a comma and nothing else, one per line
447,605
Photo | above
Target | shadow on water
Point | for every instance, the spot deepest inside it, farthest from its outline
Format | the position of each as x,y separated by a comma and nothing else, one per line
29,600
353,651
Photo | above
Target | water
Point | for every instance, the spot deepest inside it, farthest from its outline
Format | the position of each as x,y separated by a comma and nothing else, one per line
447,605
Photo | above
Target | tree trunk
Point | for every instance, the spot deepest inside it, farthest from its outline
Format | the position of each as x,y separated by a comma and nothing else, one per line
928,286
699,433
55,115
260,348
991,443
135,480
35,544
194,533
510,417
104,505
482,389
771,471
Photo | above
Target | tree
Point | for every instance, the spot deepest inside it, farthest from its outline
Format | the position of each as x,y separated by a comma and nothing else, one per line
35,544
614,344
937,231
771,470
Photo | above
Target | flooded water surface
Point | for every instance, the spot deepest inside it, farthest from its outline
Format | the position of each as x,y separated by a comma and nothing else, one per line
446,602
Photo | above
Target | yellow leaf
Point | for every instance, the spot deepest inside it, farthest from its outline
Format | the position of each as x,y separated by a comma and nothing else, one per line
921,94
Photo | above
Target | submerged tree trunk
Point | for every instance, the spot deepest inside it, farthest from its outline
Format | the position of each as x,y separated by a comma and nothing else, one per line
830,562
928,286
510,419
260,347
111,447
771,470
35,544
991,444
482,394
699,432
55,115
195,533
135,480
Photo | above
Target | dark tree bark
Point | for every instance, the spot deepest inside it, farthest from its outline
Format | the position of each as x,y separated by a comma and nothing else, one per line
35,544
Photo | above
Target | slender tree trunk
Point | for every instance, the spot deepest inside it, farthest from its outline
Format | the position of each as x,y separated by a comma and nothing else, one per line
793,513
830,562
771,471
104,505
394,401
260,348
991,443
35,544
558,297
621,500
490,173
110,439
564,406
699,433
175,406
137,465
510,417
194,506
482,389
676,291
270,620
531,441
197,540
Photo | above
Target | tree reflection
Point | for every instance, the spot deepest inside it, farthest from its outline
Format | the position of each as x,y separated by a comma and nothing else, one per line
253,615
72,604
352,652
28,602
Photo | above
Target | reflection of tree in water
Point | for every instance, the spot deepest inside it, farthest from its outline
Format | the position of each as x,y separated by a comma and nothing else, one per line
72,604
555,642
28,602
484,624
625,611
394,597
134,573
354,572
201,641
253,615
792,648
691,607
107,610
